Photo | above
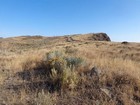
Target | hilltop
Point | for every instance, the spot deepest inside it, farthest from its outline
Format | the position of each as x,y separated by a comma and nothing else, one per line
22,42
79,69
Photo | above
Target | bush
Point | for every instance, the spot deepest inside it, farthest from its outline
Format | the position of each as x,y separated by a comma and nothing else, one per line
74,61
57,70
62,69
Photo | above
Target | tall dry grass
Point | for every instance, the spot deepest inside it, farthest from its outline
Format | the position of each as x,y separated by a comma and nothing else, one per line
111,58
111,62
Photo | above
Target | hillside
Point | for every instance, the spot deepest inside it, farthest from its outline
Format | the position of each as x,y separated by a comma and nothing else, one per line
24,42
80,69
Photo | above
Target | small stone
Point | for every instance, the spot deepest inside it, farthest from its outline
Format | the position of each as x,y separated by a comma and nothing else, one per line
95,71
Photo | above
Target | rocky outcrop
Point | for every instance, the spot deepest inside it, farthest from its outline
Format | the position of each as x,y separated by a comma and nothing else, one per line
101,37
88,37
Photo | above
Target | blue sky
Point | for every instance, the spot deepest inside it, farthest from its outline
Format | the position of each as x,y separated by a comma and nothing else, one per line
120,19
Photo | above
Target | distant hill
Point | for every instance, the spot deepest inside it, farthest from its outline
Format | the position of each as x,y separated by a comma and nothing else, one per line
74,37
25,42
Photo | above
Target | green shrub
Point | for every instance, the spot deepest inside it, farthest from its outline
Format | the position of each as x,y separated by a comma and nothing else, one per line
62,69
74,61
57,69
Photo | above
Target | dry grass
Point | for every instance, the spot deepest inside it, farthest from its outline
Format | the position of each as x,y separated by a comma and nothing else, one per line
37,98
117,63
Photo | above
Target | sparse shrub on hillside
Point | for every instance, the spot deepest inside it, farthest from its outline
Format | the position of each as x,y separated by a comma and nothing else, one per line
55,60
68,78
59,60
62,68
57,68
74,61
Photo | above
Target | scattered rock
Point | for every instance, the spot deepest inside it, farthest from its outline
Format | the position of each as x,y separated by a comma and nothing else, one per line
95,71
125,42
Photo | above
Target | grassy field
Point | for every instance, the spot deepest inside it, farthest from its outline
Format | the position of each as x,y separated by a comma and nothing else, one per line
68,70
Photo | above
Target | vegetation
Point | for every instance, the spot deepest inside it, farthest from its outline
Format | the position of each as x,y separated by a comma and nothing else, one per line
54,71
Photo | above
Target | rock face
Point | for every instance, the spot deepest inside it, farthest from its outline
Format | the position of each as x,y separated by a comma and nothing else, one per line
88,37
101,37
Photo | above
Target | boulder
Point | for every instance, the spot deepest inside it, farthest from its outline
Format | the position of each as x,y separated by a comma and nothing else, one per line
101,37
124,42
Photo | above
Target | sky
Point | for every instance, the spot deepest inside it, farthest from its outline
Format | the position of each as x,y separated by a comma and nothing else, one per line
120,19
